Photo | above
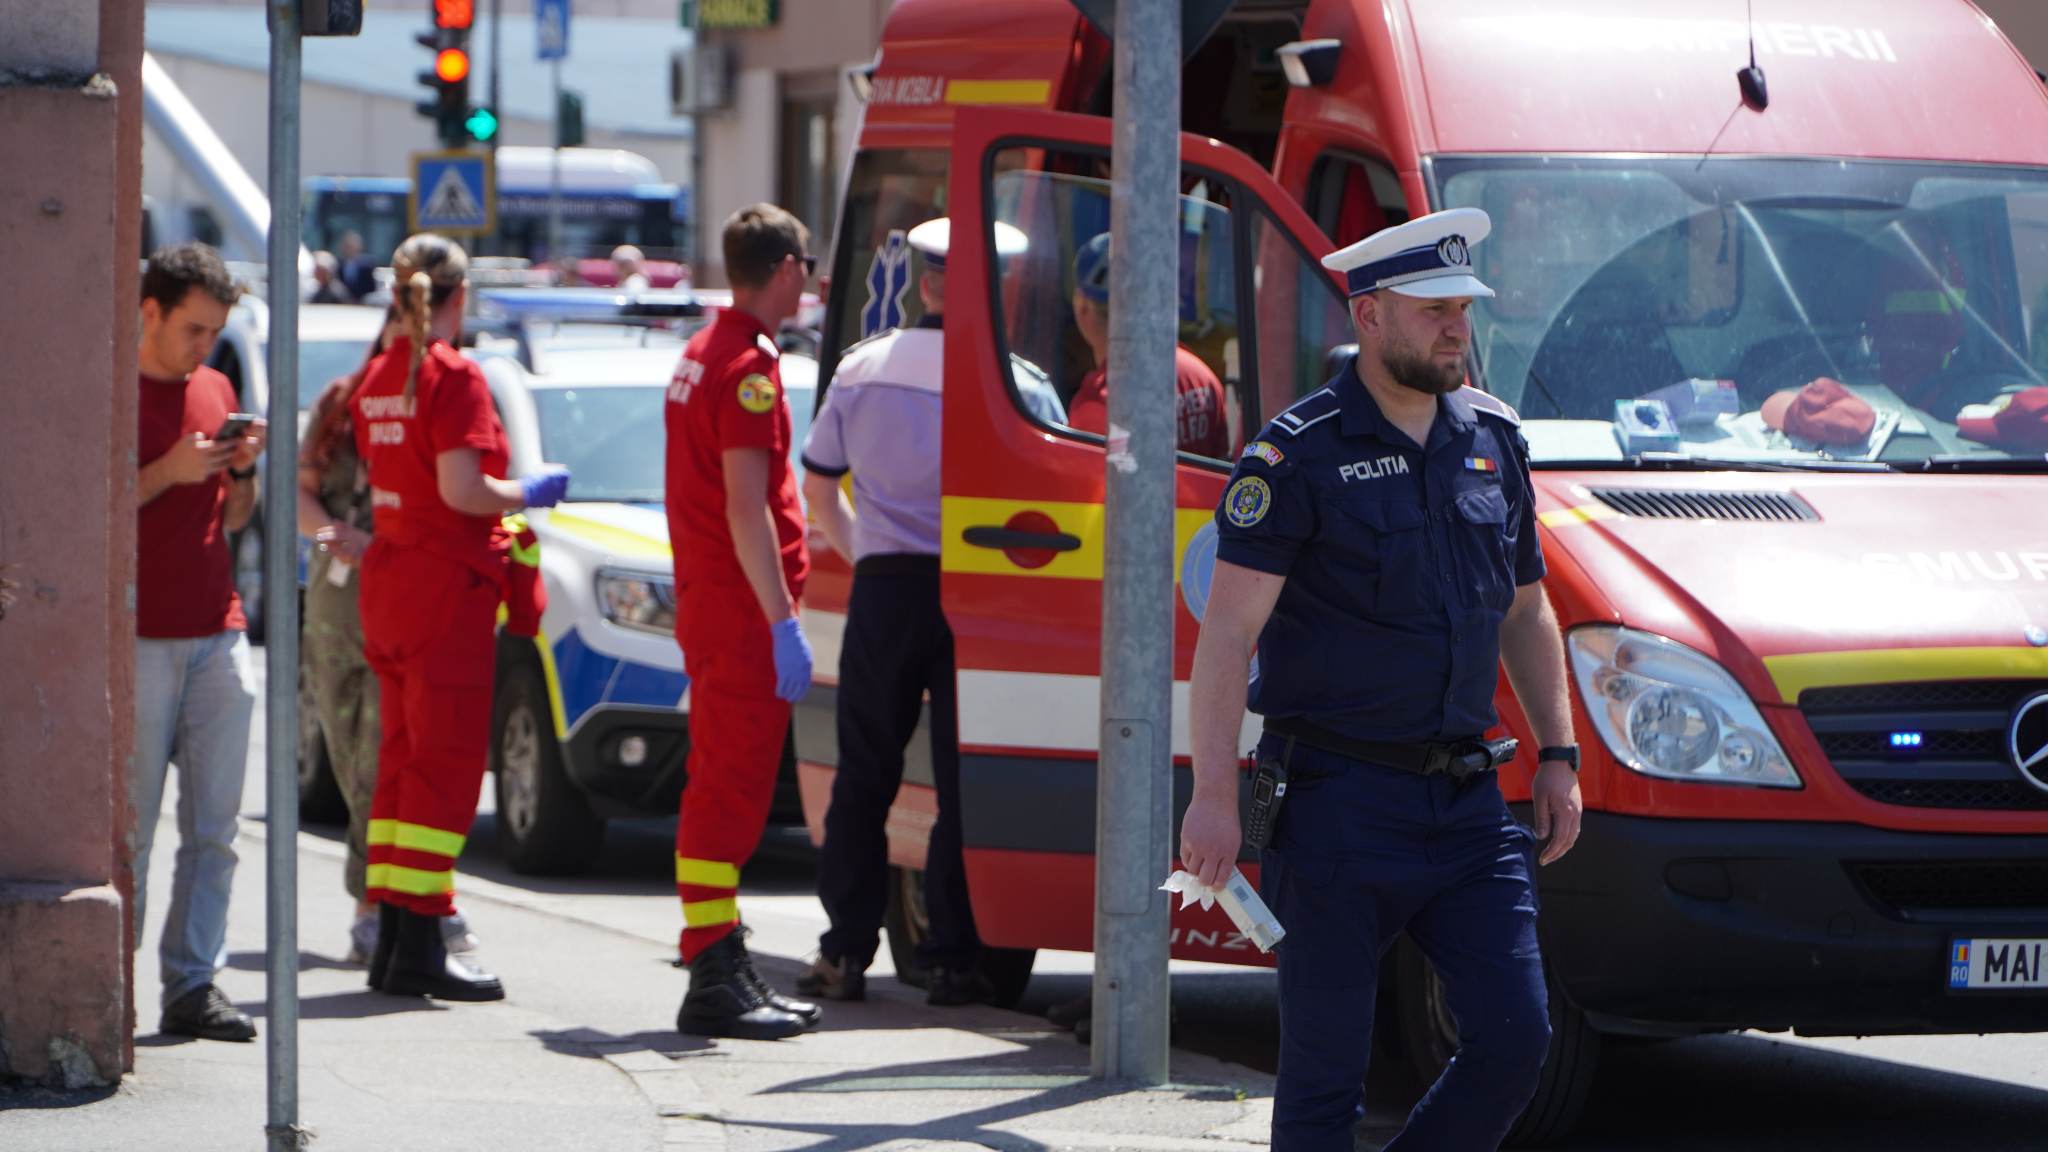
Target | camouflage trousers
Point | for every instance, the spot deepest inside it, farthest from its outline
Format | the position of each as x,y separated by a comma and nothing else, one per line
345,694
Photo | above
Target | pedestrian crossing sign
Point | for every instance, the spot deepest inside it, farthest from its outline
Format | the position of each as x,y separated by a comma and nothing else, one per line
453,193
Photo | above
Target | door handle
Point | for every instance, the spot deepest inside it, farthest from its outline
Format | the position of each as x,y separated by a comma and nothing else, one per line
1007,539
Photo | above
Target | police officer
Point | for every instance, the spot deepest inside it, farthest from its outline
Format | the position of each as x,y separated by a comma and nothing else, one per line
881,422
1377,546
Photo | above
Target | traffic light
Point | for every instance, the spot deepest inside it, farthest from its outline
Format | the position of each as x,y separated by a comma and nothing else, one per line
448,78
482,125
569,120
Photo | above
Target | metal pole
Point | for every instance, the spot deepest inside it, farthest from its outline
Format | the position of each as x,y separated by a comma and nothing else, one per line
493,244
555,255
1134,789
281,590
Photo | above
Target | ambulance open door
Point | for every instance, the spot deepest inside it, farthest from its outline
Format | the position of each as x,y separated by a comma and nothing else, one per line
1022,521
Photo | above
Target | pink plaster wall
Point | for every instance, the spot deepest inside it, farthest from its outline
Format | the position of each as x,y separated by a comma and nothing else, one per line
69,222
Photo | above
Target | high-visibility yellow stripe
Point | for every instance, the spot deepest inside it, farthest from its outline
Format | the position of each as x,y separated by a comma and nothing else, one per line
707,873
1796,673
1930,300
411,881
1082,521
529,555
547,673
383,832
416,837
709,913
1576,515
610,537
999,92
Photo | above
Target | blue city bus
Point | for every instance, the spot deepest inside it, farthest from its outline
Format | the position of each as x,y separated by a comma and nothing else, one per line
609,197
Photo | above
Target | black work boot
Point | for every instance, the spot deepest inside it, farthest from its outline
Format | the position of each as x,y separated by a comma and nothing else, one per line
723,1002
387,939
422,966
957,987
803,1010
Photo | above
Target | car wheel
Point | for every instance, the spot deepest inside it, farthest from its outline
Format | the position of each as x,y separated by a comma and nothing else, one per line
1008,969
1429,1034
320,798
545,827
248,547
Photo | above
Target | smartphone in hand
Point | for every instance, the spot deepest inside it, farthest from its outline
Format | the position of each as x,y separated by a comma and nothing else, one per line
234,427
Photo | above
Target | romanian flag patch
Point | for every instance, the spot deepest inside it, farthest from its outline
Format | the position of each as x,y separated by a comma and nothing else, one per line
1480,464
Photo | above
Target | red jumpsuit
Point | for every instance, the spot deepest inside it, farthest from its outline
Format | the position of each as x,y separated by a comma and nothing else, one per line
726,393
432,582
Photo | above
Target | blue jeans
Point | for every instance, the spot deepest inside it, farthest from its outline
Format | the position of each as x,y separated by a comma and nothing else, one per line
193,703
1361,853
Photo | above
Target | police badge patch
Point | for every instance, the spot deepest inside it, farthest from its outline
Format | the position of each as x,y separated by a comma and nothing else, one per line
757,394
1247,501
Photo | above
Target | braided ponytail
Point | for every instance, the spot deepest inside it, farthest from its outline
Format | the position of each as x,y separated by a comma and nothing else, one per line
426,271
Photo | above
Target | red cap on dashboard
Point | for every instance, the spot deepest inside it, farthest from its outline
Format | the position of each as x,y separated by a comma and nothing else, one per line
1824,411
2017,421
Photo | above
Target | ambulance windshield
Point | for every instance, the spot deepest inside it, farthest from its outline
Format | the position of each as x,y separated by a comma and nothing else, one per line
1785,312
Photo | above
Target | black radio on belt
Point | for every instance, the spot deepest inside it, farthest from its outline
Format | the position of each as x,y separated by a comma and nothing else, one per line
1269,788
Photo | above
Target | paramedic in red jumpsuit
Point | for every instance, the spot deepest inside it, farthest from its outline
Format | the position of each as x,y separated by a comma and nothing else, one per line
740,562
433,578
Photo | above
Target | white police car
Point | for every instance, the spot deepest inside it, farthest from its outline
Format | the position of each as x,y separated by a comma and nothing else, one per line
591,718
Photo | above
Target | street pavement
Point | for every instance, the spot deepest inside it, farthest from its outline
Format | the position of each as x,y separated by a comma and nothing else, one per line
583,1054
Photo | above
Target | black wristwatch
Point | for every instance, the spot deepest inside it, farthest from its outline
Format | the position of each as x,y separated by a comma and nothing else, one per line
1569,753
248,473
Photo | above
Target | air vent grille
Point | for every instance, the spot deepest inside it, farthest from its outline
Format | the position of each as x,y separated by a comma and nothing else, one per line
1677,504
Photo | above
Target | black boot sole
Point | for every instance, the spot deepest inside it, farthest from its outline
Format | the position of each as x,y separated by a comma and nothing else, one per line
730,1029
401,983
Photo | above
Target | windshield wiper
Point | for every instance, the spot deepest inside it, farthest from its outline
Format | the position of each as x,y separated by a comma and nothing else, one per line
1978,462
1684,462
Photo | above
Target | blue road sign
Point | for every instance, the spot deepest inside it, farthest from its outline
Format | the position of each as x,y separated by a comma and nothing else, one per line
453,193
552,18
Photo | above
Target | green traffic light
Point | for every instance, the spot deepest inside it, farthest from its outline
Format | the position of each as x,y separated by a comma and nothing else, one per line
482,124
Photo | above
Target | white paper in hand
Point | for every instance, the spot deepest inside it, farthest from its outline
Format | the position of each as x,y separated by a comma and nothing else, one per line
1240,901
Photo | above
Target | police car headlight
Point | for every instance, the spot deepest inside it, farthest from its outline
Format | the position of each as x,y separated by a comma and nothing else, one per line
643,602
1668,711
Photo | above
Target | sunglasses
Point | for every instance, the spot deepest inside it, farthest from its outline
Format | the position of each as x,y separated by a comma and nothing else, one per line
810,262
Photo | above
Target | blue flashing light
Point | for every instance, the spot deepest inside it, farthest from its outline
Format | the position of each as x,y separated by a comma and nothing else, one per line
1907,739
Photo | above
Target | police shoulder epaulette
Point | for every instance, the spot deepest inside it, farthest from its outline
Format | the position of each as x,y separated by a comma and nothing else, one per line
1490,404
1306,413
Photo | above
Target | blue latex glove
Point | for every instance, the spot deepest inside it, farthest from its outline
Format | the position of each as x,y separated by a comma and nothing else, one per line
545,488
792,659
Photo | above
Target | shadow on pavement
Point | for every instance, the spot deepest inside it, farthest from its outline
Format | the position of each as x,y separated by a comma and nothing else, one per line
1060,1083
638,859
308,962
1717,1092
595,1045
363,1005
23,1098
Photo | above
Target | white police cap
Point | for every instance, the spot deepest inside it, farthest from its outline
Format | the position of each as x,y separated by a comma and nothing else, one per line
932,238
1429,256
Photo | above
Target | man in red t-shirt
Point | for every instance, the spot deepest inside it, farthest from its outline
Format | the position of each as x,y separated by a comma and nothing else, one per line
194,694
1198,395
738,537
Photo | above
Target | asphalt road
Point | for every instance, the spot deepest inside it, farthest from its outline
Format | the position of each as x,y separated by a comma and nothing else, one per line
1755,1092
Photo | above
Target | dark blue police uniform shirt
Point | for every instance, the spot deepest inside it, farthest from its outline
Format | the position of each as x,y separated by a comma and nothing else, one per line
1400,561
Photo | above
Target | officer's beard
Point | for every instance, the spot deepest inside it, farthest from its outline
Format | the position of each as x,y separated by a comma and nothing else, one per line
1421,373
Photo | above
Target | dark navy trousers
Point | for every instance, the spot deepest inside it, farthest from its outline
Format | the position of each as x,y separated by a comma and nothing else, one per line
897,647
1362,852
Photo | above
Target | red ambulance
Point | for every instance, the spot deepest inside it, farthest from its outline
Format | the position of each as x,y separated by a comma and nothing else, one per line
1784,377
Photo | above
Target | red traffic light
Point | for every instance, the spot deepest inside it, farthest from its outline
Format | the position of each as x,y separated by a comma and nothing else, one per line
452,65
454,14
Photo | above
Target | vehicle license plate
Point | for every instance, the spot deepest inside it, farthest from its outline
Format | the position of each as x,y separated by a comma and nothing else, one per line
1993,963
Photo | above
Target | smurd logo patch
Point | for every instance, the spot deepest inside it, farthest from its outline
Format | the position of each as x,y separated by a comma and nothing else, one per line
757,394
1247,501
